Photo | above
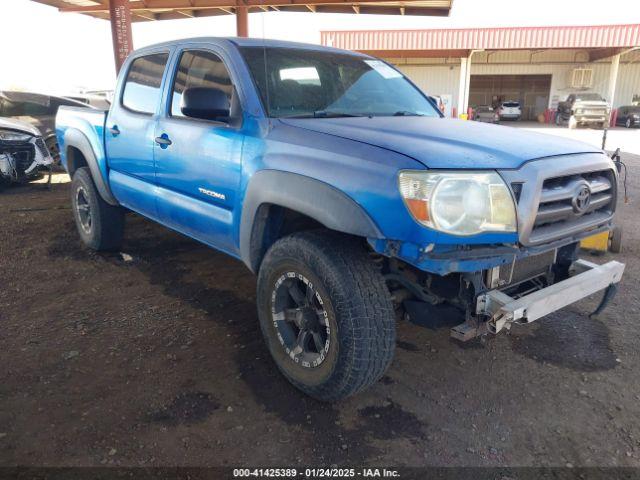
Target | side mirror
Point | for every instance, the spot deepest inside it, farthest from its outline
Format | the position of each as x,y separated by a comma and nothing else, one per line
206,103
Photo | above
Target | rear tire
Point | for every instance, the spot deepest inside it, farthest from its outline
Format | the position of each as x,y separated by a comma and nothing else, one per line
336,283
100,225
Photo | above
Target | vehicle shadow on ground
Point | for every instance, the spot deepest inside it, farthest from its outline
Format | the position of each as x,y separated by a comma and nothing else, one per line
223,289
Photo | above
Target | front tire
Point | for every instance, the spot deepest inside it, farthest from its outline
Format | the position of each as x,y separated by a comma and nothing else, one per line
572,123
628,123
325,313
100,225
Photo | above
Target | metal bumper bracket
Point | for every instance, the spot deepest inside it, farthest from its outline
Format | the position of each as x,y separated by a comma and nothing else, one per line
503,310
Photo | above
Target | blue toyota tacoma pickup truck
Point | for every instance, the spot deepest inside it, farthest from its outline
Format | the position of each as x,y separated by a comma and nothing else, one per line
339,183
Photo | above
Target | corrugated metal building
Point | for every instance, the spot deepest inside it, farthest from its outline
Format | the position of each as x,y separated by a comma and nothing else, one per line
537,66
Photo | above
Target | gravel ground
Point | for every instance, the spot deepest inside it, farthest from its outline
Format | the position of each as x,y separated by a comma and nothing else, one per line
155,358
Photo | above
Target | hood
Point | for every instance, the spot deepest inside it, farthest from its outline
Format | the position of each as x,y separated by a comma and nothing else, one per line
447,143
11,124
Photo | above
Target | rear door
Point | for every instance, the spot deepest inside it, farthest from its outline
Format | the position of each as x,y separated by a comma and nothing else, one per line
129,133
198,161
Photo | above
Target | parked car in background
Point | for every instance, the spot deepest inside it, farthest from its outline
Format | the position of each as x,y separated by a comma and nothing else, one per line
485,113
583,109
510,110
23,153
343,187
39,110
629,116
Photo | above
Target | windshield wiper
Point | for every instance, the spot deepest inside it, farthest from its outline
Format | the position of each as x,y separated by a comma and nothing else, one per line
329,113
324,114
407,113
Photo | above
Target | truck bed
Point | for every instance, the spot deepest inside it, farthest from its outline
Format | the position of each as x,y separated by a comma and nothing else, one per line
90,123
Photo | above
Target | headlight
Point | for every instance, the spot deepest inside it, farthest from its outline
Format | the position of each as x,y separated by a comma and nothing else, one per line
579,110
459,203
12,136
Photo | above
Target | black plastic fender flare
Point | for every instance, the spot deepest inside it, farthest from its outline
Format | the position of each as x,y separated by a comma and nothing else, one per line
313,198
75,138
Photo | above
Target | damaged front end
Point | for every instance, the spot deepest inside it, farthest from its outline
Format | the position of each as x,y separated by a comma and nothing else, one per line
23,152
492,299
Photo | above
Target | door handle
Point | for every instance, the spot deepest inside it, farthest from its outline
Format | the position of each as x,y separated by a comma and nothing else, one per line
115,131
163,140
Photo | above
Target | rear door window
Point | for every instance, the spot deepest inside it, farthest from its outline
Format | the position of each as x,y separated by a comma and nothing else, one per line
142,85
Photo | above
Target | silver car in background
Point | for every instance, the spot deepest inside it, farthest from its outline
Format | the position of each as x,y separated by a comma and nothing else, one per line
485,113
23,153
38,110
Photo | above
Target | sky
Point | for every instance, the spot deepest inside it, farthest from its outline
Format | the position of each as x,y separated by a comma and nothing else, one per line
47,51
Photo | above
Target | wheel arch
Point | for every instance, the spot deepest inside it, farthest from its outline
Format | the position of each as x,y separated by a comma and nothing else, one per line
273,197
79,153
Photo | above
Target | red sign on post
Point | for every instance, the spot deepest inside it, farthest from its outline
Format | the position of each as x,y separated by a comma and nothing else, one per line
120,30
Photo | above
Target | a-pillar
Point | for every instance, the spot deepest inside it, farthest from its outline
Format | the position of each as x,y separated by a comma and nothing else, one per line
120,16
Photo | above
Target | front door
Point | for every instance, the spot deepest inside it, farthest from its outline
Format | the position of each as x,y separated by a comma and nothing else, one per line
198,161
129,134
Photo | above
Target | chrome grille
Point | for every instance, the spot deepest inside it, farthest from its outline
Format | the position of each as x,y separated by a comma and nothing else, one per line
545,190
559,210
558,198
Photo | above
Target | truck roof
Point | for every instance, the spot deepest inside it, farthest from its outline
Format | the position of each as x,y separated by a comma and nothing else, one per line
250,42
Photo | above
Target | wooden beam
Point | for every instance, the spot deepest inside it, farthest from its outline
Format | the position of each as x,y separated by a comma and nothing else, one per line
145,14
356,8
120,18
312,8
242,21
186,13
203,4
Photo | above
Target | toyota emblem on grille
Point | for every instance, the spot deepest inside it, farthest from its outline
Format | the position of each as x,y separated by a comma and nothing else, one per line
581,199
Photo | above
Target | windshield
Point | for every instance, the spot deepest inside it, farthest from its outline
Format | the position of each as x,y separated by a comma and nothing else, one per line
588,96
308,83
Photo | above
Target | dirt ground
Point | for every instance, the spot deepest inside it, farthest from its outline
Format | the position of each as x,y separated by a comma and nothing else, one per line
158,361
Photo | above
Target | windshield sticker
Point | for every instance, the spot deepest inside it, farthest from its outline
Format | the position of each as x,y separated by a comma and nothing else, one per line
383,69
